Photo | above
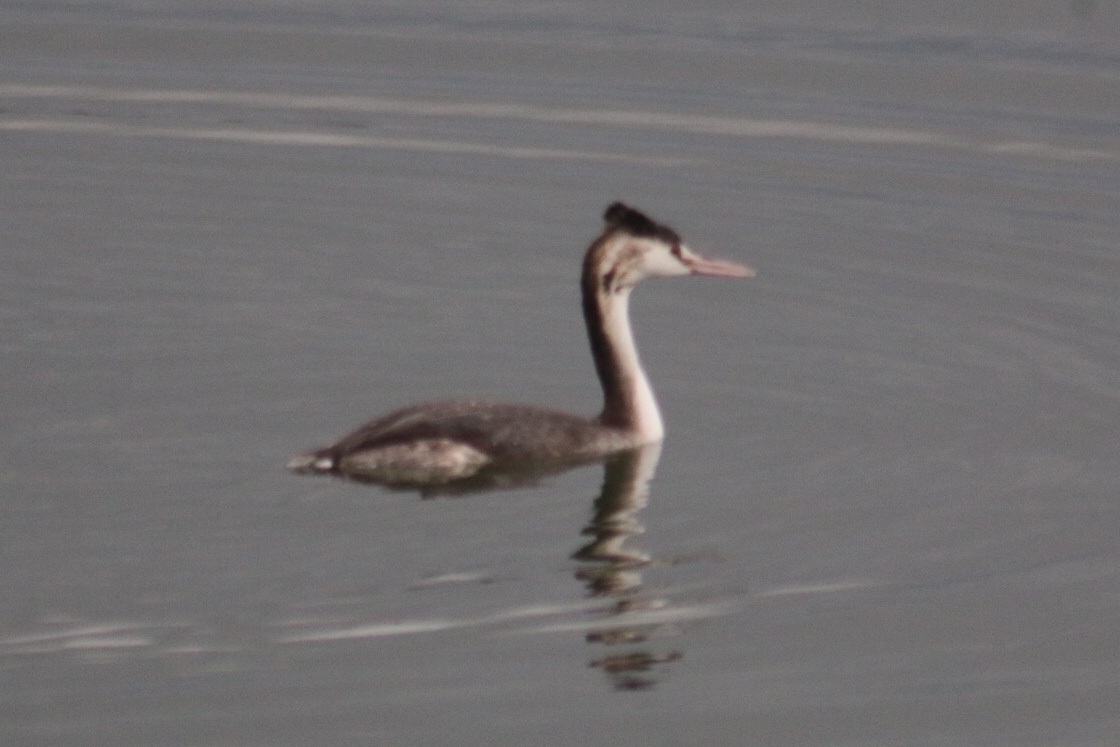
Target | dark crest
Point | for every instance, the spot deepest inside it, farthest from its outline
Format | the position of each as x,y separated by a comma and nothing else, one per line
636,223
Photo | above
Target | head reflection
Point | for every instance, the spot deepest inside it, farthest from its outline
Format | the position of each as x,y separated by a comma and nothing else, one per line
613,571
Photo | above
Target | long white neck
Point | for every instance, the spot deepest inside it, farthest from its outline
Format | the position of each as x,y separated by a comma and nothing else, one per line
628,399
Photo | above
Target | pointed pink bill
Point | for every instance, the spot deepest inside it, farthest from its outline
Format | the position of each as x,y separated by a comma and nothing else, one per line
720,268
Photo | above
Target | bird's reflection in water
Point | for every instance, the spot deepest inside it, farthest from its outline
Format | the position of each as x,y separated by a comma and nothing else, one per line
614,571
610,570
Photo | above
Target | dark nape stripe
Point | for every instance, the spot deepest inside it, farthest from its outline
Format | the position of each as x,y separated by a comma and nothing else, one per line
616,397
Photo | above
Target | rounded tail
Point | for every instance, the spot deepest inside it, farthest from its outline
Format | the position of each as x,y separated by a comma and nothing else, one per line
319,462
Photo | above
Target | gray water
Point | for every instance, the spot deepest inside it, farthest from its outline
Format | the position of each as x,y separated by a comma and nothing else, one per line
886,512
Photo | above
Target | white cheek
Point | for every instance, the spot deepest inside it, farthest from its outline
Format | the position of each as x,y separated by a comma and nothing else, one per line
661,263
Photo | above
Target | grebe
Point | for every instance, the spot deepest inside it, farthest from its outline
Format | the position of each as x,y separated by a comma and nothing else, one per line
443,442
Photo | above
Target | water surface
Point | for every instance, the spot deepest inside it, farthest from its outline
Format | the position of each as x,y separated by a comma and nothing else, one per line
885,512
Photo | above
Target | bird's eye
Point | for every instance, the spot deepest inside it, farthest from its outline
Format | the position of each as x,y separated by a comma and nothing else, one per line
677,251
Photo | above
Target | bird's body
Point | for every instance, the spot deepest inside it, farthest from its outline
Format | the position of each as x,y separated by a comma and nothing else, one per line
442,442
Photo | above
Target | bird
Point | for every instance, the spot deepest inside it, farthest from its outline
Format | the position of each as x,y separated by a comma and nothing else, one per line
444,442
